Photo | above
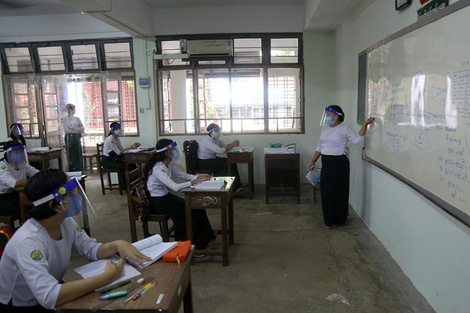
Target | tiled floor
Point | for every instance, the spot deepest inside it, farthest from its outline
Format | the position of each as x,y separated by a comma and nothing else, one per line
283,260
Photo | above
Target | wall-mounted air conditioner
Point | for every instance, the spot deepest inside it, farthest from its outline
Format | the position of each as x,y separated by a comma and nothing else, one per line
209,49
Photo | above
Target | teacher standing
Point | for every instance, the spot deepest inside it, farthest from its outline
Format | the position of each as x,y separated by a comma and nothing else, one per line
335,164
73,129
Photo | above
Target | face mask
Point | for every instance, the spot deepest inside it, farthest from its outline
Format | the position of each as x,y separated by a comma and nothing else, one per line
118,132
216,135
75,205
175,155
329,121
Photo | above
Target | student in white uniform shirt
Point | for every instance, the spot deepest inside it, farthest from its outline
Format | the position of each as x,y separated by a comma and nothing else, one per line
335,164
37,256
207,152
14,172
158,173
113,151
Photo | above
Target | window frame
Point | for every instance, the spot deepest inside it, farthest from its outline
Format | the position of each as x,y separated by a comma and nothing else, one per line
230,64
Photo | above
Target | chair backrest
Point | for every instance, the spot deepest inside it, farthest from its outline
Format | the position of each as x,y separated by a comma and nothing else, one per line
2,144
190,152
138,198
99,151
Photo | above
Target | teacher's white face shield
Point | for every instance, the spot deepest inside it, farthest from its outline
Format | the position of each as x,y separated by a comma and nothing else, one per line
73,201
329,116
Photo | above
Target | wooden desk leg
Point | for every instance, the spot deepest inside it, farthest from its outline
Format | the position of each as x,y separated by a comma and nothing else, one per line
230,222
188,298
251,179
223,221
189,226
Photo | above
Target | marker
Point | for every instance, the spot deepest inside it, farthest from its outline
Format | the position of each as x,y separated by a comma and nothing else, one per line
114,295
115,287
140,292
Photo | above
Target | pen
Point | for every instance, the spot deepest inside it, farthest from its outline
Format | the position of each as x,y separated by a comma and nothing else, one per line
115,287
114,295
138,293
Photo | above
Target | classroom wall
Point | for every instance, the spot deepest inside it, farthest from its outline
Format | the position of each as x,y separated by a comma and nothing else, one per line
430,246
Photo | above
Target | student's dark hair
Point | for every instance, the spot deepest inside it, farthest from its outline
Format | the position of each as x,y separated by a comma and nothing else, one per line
12,136
338,109
111,127
43,184
158,157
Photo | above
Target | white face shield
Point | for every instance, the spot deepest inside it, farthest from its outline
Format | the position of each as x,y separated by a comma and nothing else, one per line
177,158
16,129
16,156
328,117
73,201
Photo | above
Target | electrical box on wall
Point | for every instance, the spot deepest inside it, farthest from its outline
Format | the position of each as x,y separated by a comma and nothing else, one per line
144,82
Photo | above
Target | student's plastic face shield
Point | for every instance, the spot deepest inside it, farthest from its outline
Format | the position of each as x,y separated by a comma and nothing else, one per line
16,156
174,152
73,202
118,130
329,116
216,132
16,129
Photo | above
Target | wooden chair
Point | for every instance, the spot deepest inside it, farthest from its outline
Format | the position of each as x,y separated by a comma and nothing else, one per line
8,219
88,162
190,153
107,171
138,202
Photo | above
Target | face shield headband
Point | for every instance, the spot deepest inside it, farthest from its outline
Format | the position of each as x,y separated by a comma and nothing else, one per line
169,147
74,201
116,127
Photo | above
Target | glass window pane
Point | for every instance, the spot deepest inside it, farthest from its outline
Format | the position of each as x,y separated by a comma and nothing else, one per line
19,60
118,55
283,99
22,103
284,50
51,58
84,57
247,51
170,47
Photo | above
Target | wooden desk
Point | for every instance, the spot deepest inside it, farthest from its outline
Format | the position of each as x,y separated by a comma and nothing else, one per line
173,280
140,157
25,204
213,199
45,156
243,155
282,172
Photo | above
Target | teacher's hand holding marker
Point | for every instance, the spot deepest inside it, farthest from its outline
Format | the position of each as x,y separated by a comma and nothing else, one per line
331,148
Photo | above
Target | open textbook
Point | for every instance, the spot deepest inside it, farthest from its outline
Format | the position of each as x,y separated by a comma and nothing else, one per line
153,247
97,267
210,185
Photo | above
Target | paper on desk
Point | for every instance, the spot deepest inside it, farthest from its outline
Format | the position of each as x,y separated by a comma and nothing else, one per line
74,174
140,149
242,149
38,149
97,267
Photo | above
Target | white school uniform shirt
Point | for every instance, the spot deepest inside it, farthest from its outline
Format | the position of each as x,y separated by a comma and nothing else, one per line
72,125
9,176
112,144
33,264
209,147
160,179
333,140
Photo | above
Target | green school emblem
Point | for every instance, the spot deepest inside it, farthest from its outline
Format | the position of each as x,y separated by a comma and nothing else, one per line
79,229
3,167
37,255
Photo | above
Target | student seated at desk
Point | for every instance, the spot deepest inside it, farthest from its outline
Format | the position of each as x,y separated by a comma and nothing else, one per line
37,256
207,152
113,152
158,174
14,172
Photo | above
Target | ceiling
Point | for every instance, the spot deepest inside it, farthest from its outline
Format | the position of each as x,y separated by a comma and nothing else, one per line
324,14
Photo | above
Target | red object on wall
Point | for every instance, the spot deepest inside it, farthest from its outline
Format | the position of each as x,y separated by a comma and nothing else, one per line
423,1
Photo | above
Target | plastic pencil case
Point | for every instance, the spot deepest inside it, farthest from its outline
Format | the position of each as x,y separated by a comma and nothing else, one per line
181,251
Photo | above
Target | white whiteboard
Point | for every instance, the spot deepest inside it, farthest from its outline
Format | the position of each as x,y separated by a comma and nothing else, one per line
418,88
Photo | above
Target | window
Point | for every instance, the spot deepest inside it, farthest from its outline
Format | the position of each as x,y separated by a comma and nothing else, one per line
100,96
258,90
